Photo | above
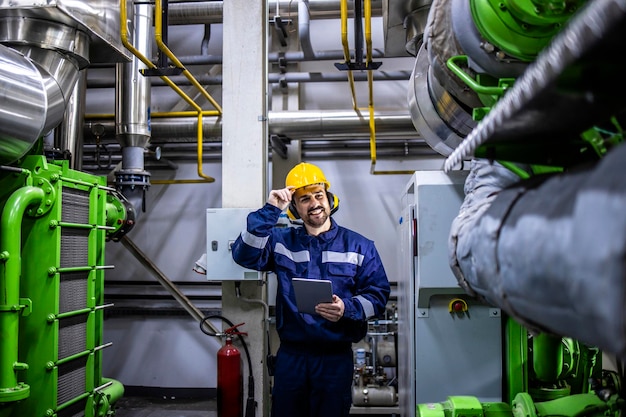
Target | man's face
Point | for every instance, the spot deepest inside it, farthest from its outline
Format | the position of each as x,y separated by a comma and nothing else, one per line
312,205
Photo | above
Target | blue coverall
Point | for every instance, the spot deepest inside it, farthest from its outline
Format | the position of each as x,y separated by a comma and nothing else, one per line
314,366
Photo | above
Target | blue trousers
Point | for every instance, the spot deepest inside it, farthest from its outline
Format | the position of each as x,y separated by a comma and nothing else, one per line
310,383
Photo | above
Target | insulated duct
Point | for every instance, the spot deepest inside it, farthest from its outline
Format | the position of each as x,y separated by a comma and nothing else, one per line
35,84
42,50
470,51
132,123
301,125
549,250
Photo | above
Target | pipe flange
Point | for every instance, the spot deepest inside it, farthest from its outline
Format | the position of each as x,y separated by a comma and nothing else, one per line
132,179
46,204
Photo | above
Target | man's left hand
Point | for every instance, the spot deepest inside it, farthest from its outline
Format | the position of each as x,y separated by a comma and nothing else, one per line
331,311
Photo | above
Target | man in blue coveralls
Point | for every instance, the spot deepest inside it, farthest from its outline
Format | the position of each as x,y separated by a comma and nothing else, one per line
314,365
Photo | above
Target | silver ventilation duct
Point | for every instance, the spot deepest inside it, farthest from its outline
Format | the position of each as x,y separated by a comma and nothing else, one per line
42,50
132,117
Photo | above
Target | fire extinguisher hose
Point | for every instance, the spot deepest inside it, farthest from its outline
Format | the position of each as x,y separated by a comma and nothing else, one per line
250,402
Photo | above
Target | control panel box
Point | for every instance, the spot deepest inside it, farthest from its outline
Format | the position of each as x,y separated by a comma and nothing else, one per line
223,227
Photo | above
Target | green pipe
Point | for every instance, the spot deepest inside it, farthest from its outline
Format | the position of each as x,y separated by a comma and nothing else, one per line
10,309
115,391
547,357
106,397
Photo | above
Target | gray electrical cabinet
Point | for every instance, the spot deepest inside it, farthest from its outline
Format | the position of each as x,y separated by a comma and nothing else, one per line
223,227
449,343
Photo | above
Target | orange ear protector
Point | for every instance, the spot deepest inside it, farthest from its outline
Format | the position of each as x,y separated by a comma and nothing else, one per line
292,213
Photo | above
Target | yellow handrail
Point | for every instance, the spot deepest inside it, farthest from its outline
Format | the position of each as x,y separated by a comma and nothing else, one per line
149,64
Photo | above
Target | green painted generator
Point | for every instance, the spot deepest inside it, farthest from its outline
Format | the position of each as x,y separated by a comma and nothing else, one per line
53,228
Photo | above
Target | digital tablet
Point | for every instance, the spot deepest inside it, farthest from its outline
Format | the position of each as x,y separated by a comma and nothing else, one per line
311,292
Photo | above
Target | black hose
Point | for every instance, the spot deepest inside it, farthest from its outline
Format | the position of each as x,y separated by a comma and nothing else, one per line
250,403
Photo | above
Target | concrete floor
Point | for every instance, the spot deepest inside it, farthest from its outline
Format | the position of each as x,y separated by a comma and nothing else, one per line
165,407
181,407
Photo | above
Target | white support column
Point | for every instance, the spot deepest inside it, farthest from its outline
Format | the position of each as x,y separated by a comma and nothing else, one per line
244,164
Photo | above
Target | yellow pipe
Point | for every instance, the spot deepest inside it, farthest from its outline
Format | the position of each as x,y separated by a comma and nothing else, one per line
178,181
158,29
158,34
157,115
199,146
185,113
181,93
367,8
144,59
171,114
346,50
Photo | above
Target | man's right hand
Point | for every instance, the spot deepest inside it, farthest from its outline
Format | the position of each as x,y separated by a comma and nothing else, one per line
281,198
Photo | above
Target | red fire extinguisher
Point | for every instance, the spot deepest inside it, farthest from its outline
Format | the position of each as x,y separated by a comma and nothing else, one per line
229,381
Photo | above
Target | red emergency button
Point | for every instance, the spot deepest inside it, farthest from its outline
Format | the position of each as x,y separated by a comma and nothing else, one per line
457,305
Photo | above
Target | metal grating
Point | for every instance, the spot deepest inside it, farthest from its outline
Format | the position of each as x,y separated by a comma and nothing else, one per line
72,380
75,206
74,247
72,335
73,291
74,410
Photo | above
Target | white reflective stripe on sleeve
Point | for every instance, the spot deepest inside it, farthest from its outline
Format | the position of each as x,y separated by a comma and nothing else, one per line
254,241
302,256
342,257
368,307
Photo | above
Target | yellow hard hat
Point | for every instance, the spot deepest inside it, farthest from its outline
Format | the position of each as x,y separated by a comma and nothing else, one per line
305,174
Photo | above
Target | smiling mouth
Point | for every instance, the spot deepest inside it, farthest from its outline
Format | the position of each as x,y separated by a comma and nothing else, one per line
316,210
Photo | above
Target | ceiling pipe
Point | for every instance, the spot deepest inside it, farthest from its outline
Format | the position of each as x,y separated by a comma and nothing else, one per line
400,148
159,29
303,30
299,125
200,13
290,56
346,50
181,93
273,78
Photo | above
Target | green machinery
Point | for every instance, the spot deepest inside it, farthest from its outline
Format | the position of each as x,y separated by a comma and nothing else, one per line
53,229
542,126
545,376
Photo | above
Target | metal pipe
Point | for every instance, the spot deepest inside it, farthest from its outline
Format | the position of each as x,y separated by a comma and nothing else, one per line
34,97
145,60
158,28
69,135
303,30
133,94
301,125
197,13
274,78
10,308
346,49
133,91
166,282
358,149
289,56
158,35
